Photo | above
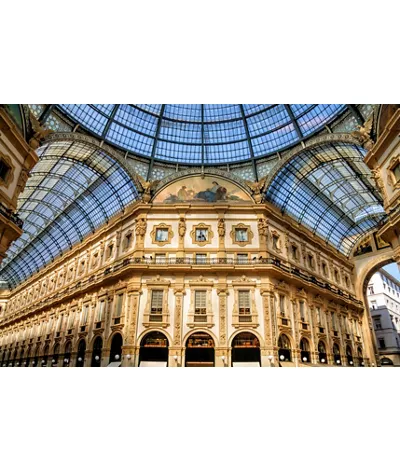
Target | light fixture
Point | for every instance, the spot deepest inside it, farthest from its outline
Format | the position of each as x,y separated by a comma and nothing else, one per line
351,363
271,358
116,357
43,361
4,365
128,356
282,357
25,363
66,361
223,359
79,359
323,360
338,361
305,359
53,361
373,365
96,358
33,363
17,364
362,363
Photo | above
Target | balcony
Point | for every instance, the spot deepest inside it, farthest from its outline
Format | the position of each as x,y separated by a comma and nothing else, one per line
245,320
200,320
156,319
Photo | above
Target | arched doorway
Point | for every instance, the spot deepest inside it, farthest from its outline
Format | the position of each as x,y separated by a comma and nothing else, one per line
336,354
385,361
116,350
154,350
246,350
285,349
56,355
45,356
80,358
199,350
305,355
360,358
322,356
67,354
97,350
349,356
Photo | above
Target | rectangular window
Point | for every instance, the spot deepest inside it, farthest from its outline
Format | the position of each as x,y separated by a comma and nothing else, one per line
118,305
200,305
318,311
161,235
244,302
101,310
4,169
85,314
396,172
302,311
382,343
282,304
333,320
161,258
241,235
201,234
242,258
378,324
71,319
295,252
201,258
156,305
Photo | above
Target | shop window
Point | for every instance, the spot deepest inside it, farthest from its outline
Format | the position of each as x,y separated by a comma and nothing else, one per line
322,352
305,350
285,350
336,354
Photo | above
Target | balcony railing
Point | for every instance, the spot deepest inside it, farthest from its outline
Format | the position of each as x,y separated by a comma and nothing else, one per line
187,261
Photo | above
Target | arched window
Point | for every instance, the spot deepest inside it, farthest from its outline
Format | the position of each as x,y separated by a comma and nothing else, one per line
67,354
246,350
116,349
322,353
349,356
305,350
285,349
80,359
336,354
154,350
97,350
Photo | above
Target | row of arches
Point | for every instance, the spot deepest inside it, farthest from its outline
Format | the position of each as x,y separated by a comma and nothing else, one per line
154,350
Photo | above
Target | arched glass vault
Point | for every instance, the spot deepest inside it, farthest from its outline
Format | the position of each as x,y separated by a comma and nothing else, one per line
74,189
329,189
208,134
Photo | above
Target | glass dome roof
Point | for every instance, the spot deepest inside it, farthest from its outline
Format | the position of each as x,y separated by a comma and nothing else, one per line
207,134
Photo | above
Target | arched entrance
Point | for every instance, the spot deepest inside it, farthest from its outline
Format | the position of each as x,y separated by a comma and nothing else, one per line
154,350
285,349
246,350
305,355
80,358
336,355
97,350
322,356
116,350
56,355
360,358
199,350
67,354
45,356
385,361
349,356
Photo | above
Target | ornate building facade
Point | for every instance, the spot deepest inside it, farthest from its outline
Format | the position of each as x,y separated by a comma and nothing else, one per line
263,264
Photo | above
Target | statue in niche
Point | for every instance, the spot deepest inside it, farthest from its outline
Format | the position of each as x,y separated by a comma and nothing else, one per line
221,227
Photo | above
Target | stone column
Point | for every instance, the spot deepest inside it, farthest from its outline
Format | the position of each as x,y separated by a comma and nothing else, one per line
177,346
270,348
131,317
222,292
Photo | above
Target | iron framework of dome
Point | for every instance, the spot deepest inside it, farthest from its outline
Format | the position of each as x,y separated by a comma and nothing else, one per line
203,134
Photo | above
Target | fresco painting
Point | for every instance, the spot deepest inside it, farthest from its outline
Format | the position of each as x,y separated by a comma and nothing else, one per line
197,189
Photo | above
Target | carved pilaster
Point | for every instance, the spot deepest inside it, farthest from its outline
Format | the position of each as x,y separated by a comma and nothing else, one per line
179,293
223,323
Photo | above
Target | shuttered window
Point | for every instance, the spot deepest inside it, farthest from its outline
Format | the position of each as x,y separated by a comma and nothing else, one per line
200,298
244,302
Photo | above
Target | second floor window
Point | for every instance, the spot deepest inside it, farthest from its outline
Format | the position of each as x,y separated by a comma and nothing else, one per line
101,310
157,302
200,299
282,304
85,314
244,302
118,305
302,311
